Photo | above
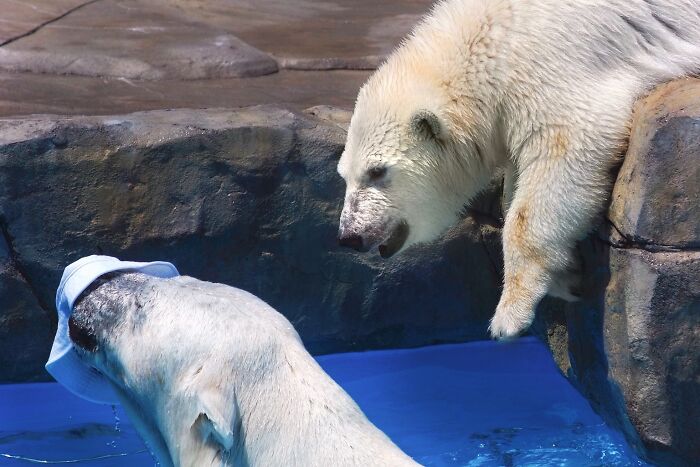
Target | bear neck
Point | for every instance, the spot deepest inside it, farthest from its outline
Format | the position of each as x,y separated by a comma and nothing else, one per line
300,416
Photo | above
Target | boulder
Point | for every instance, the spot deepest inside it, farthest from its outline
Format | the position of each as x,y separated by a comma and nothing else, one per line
250,198
655,200
304,35
652,337
632,344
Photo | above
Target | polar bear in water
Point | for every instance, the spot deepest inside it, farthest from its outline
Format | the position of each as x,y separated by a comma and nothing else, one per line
540,92
213,376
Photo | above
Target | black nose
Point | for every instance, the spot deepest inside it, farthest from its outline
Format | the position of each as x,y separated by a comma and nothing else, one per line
352,240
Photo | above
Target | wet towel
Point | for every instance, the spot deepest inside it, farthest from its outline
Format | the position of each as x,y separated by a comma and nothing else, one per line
64,363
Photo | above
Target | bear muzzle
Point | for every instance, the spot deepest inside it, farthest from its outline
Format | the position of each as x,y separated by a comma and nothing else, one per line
391,244
396,240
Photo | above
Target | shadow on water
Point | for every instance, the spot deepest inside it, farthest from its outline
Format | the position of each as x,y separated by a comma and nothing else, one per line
84,433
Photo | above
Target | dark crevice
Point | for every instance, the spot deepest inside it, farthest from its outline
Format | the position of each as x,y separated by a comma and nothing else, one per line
9,240
494,265
46,23
636,243
484,218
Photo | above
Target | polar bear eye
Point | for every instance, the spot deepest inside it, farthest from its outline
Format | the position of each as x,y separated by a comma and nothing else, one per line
376,173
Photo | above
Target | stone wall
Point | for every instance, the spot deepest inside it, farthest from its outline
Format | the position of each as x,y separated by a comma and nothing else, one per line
247,197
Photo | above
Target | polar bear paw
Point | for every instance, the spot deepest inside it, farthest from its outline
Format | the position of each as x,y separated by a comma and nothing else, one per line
508,323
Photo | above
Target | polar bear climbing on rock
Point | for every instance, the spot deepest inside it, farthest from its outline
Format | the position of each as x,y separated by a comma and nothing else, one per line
539,92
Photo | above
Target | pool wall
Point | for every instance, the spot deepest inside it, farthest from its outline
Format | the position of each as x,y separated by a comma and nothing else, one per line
246,197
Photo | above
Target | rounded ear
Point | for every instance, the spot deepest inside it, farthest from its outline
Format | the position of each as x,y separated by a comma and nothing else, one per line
215,418
426,125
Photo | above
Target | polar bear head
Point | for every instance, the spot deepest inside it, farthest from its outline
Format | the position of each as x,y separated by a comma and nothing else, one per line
170,362
409,170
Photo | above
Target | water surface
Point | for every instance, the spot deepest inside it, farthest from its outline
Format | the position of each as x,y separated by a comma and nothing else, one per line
476,404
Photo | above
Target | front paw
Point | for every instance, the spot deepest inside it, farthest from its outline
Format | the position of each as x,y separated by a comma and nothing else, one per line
509,322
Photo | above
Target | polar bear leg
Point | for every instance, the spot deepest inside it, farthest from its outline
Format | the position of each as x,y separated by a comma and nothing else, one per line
509,181
553,206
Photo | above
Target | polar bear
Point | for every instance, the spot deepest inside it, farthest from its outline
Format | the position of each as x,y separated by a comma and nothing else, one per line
539,92
211,375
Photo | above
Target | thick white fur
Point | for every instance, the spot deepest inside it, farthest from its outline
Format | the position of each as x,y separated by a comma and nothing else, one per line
539,90
213,376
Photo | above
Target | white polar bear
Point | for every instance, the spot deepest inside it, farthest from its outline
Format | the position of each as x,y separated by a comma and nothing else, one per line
538,91
211,375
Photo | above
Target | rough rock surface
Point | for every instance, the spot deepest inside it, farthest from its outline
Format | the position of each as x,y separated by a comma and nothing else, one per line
652,337
28,93
99,57
190,39
22,18
249,198
24,324
133,40
318,34
656,197
632,344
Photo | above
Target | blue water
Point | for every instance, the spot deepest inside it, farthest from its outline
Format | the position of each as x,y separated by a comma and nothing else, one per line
477,404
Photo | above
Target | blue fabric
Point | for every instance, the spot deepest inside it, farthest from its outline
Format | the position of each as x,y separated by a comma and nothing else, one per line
64,364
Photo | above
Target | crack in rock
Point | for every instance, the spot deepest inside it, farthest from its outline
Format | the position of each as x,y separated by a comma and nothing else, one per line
625,242
12,259
46,23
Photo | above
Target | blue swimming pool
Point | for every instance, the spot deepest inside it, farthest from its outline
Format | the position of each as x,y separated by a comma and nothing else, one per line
476,404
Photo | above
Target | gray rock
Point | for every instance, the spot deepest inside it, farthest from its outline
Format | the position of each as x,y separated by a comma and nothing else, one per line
652,337
655,201
23,93
25,325
312,35
340,117
632,344
249,198
138,42
193,39
331,63
21,18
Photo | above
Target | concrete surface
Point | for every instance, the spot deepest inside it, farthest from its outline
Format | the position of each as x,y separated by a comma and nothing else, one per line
116,56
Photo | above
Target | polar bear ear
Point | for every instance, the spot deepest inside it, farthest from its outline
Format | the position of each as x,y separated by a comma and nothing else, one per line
426,125
215,419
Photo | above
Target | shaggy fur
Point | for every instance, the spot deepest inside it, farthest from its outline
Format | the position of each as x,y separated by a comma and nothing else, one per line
212,376
538,91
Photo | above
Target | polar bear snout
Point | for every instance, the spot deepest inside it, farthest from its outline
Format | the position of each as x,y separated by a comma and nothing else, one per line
370,219
396,241
389,239
362,222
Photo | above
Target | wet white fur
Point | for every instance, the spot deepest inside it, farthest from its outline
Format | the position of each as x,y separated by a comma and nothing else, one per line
538,91
213,376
